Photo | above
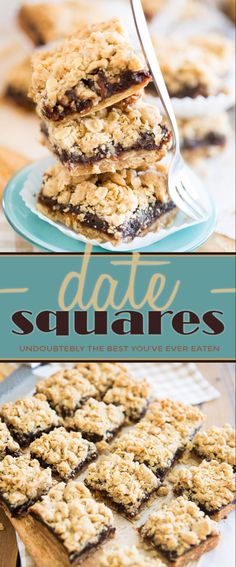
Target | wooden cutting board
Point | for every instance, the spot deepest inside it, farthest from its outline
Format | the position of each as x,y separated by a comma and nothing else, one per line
11,162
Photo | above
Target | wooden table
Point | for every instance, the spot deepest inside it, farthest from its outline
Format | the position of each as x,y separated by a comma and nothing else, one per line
218,412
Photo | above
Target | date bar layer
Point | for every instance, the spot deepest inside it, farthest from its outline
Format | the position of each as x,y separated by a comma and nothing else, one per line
97,421
94,69
77,521
217,443
65,391
180,532
113,207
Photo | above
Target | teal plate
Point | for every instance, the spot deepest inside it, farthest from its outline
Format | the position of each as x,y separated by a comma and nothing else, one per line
49,239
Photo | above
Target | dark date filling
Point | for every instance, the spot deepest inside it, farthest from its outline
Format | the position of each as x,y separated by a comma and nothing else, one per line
92,454
102,87
65,411
180,492
24,439
146,141
128,511
96,438
19,510
211,139
186,91
19,97
90,547
172,555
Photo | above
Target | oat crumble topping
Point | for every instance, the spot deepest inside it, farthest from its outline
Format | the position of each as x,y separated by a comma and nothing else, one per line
217,443
100,374
19,77
211,484
131,394
66,452
66,390
81,67
177,527
28,417
97,420
127,483
185,419
74,516
7,443
127,557
22,480
199,127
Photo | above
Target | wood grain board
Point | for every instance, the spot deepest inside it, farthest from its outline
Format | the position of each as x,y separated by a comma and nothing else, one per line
41,544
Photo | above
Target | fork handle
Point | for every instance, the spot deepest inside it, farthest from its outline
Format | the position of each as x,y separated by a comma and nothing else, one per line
151,58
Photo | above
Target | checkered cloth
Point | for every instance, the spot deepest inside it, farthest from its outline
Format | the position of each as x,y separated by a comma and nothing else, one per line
178,381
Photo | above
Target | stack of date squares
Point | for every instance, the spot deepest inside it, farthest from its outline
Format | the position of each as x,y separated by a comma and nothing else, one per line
108,184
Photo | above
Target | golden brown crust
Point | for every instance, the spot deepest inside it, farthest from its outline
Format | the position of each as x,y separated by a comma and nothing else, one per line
196,553
65,390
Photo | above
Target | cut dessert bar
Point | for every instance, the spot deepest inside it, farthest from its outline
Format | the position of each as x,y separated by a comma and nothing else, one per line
124,136
96,421
158,453
211,485
66,453
79,522
180,532
123,482
18,84
94,69
133,395
27,419
152,7
7,444
100,374
204,136
22,483
66,391
127,557
186,420
50,21
217,443
196,65
114,207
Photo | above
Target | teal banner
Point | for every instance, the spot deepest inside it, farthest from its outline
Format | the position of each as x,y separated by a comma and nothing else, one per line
117,307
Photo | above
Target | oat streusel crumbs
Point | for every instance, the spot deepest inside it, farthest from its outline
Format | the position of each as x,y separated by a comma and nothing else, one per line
18,83
125,482
113,197
66,390
127,557
185,419
195,66
65,452
97,421
211,484
98,142
75,517
133,395
177,527
100,374
217,443
22,481
157,453
28,418
45,22
87,71
207,132
7,443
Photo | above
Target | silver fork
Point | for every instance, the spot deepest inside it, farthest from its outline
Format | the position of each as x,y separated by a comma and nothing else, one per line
185,189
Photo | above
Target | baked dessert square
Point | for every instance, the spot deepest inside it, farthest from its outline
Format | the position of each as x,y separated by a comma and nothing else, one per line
152,7
204,136
65,391
18,84
127,557
97,421
27,419
211,485
113,207
123,482
158,453
186,420
79,522
22,483
100,374
8,446
44,22
217,443
133,395
195,66
66,453
116,138
180,532
87,72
